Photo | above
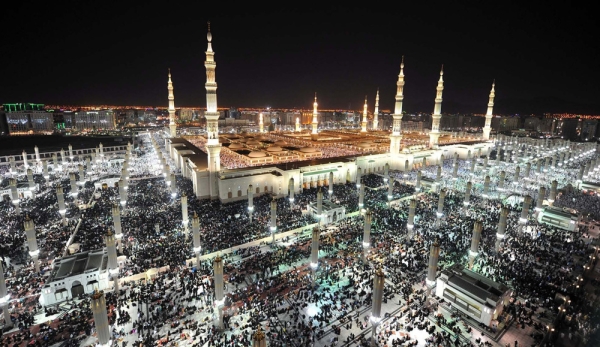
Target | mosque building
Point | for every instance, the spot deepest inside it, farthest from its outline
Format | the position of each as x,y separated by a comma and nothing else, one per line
222,166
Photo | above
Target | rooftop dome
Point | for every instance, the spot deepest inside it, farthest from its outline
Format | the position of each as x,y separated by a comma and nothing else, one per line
308,150
257,154
274,149
253,142
236,146
281,143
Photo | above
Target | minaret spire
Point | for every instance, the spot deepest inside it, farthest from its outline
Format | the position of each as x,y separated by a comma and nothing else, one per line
396,136
315,121
489,114
172,123
434,135
364,119
376,113
261,123
213,147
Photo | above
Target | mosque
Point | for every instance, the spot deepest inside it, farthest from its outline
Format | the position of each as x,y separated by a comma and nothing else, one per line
281,162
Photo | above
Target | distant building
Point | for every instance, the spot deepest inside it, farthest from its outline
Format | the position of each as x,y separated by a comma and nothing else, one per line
93,120
27,118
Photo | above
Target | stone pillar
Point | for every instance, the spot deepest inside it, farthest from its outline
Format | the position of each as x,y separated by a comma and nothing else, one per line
547,164
98,304
475,243
486,187
517,173
73,181
196,237
25,164
586,170
184,214
540,198
434,254
367,233
101,149
467,198
527,169
440,209
361,197
45,169
4,297
580,174
553,192
30,179
538,167
525,211
411,216
472,168
273,226
122,192
173,185
116,217
62,209
54,162
37,153
62,157
358,177
258,339
70,151
330,183
81,174
319,205
485,162
501,180
501,228
390,194
219,302
378,284
455,171
418,183
32,242
14,194
438,175
113,265
251,199
314,254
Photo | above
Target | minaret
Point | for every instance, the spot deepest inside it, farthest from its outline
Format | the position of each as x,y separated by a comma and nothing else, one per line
172,124
376,112
488,116
212,120
261,124
297,124
364,118
315,121
396,136
434,135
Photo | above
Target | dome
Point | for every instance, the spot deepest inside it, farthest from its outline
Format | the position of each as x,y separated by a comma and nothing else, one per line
253,142
308,150
257,154
236,146
274,149
281,143
364,144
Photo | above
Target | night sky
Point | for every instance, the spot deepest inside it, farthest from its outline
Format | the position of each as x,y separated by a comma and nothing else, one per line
543,59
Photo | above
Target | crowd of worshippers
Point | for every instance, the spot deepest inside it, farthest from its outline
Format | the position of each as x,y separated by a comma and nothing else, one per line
275,284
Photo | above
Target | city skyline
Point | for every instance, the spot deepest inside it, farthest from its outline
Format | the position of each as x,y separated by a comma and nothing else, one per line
280,58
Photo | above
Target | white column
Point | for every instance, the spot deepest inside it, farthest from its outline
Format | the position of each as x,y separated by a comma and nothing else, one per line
98,305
